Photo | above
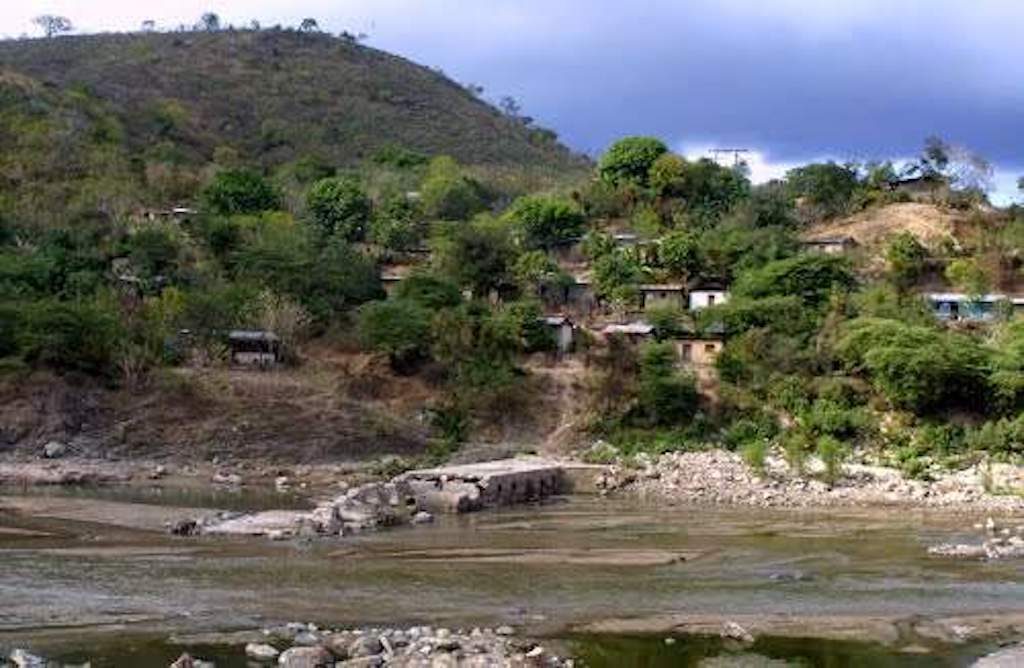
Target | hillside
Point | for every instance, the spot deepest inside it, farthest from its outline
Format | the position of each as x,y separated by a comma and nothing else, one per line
165,106
929,223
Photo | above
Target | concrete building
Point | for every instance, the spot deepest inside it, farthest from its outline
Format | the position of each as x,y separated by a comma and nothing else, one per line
975,308
698,350
830,245
707,294
563,330
254,347
661,295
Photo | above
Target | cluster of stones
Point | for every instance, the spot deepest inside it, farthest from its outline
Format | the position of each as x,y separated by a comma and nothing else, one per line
300,645
999,543
717,477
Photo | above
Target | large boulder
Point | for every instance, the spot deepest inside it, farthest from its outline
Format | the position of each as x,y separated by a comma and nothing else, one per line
261,652
54,450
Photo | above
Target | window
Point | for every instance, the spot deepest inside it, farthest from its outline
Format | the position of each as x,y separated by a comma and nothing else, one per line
687,352
709,348
711,300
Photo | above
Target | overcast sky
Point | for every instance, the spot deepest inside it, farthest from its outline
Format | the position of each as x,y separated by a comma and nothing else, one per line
793,80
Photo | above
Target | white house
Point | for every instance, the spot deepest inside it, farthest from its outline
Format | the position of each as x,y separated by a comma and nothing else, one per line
563,330
705,296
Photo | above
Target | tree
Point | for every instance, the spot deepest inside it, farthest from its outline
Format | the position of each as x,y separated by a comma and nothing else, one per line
53,25
209,22
629,160
309,25
239,191
395,224
711,190
969,276
399,328
543,221
680,254
812,277
666,175
906,257
429,291
827,186
339,206
477,256
149,25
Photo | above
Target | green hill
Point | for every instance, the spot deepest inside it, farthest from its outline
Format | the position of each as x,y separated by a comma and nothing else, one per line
162,106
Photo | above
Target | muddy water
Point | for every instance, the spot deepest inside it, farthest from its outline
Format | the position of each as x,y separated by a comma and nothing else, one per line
91,574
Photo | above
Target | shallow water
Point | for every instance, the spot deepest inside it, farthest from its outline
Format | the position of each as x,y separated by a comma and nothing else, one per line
82,583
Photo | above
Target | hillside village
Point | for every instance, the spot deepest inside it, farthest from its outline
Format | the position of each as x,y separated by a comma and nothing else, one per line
647,302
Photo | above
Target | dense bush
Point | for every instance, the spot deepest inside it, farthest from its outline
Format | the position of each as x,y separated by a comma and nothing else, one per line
236,191
399,328
69,336
544,221
339,206
630,160
812,277
665,397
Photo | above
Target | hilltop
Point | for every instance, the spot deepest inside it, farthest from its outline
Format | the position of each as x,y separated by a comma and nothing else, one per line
164,107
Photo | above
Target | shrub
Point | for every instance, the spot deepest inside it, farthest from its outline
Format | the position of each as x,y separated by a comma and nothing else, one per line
429,291
796,446
756,427
398,328
832,453
70,336
664,396
235,191
830,418
755,453
906,258
1003,438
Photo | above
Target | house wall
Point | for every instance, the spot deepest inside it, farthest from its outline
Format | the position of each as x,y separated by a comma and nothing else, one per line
698,352
703,298
254,358
662,298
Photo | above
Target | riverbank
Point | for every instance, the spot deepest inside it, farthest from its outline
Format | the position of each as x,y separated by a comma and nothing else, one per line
721,478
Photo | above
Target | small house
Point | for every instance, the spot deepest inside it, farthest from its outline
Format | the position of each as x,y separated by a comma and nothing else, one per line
974,308
254,347
707,294
925,188
699,350
634,331
563,331
661,295
830,245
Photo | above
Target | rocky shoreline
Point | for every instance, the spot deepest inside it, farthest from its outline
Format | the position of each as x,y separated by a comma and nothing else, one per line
302,645
717,477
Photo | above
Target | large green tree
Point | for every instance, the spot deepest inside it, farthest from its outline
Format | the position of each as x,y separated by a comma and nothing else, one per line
339,206
629,160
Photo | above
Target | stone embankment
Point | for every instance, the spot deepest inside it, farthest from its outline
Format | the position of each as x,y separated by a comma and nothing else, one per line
717,477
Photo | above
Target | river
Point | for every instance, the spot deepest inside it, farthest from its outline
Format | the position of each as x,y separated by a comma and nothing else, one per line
90,574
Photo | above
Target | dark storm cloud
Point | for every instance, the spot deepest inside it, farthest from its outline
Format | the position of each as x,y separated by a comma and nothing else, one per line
797,80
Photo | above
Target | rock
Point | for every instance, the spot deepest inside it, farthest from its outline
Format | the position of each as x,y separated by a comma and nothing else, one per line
184,528
365,662
281,483
306,639
21,658
232,479
261,652
54,450
365,646
305,657
422,517
505,630
1012,657
184,661
338,644
734,631
158,472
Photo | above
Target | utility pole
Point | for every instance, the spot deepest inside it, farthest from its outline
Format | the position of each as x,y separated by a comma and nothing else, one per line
736,153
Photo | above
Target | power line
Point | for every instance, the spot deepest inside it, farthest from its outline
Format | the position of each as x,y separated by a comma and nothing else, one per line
736,153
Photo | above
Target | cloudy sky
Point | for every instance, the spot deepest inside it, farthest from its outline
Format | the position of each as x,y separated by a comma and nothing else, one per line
793,80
